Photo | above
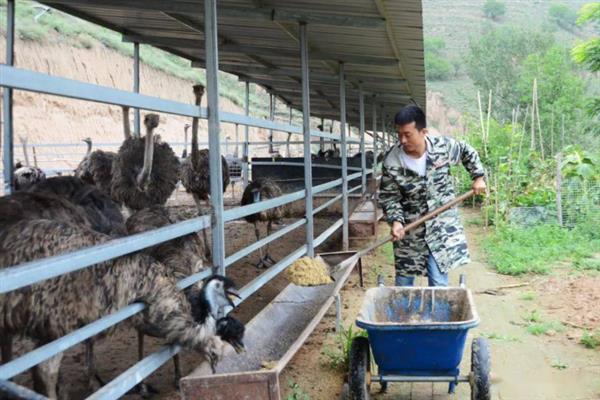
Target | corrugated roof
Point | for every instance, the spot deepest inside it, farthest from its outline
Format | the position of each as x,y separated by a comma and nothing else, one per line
379,41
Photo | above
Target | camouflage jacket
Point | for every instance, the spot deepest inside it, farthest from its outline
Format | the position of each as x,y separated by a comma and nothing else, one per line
405,196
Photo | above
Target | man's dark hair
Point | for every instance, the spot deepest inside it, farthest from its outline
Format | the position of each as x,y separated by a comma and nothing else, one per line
410,114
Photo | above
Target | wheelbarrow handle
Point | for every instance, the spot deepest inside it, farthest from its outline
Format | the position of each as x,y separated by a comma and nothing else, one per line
419,221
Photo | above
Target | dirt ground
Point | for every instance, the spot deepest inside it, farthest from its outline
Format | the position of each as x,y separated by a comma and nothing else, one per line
525,367
547,367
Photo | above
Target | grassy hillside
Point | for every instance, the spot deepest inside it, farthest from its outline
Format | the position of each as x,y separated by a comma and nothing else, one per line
457,22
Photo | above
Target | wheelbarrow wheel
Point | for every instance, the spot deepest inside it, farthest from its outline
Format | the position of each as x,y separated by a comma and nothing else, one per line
480,369
359,379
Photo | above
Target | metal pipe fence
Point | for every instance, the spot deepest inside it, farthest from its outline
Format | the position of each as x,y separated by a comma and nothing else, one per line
20,276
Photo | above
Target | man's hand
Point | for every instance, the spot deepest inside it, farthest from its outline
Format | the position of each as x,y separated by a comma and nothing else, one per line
397,231
479,185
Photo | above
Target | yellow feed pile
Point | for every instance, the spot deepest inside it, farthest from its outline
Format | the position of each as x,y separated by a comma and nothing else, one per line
309,272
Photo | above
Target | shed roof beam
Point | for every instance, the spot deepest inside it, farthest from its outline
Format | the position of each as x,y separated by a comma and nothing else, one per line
279,14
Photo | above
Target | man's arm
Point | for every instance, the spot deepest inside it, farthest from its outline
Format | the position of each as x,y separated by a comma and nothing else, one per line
389,199
460,152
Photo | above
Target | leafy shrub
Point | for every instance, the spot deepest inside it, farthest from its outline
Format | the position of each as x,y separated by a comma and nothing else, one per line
563,15
494,9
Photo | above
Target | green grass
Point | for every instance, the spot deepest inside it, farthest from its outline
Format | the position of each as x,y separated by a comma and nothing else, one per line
537,326
591,340
338,357
297,392
514,250
388,252
528,296
559,365
501,337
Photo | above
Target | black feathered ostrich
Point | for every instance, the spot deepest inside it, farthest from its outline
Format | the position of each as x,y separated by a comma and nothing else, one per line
146,170
195,169
256,191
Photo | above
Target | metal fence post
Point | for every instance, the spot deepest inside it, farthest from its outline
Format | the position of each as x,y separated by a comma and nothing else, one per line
322,139
559,189
7,101
136,87
361,132
310,250
245,149
344,155
383,138
375,139
272,118
212,89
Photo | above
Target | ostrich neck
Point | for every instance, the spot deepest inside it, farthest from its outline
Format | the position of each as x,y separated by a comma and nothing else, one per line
126,126
144,175
25,155
195,134
89,148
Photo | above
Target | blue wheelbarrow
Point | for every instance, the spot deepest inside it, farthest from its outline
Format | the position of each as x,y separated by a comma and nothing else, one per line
417,334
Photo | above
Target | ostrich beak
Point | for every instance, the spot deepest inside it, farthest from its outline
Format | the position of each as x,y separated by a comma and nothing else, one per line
238,345
233,293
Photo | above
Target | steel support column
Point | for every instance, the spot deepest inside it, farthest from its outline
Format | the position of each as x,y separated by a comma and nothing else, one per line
272,118
287,145
7,101
136,87
383,133
361,132
322,140
216,173
375,139
310,249
344,155
245,172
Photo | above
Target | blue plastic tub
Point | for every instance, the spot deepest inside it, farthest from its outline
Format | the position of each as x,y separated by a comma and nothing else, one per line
418,331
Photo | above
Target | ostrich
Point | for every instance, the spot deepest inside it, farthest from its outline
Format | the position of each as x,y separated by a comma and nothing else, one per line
255,192
101,211
108,287
96,166
25,206
24,176
182,256
195,169
145,171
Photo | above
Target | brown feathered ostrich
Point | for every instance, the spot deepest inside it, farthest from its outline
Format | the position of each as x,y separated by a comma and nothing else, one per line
146,171
182,256
256,191
53,308
195,169
101,211
96,166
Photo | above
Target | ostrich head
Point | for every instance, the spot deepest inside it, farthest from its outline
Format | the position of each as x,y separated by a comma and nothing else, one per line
151,121
87,140
217,293
198,93
232,331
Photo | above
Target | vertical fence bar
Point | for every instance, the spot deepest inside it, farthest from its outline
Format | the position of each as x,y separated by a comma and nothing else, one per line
361,132
7,103
306,137
216,182
245,150
136,87
344,155
321,139
375,138
383,139
289,136
271,117
559,214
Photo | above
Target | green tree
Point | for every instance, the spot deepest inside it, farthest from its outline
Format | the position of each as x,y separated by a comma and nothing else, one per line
561,93
437,67
588,52
495,61
564,16
494,9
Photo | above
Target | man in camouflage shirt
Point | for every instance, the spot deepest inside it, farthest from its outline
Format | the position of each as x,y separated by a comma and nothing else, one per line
416,180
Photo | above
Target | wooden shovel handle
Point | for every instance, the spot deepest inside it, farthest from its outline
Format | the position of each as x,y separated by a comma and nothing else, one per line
419,221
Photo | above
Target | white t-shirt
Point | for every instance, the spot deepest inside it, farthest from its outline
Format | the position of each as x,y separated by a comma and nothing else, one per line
418,165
